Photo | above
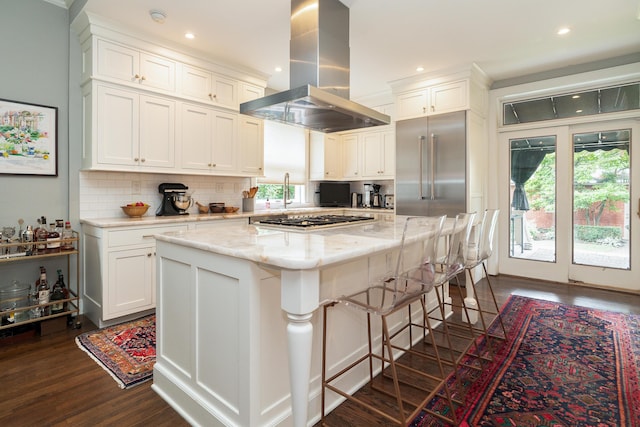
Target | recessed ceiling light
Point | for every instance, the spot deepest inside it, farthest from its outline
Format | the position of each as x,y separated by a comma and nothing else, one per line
278,69
158,15
575,96
420,69
563,31
578,111
190,36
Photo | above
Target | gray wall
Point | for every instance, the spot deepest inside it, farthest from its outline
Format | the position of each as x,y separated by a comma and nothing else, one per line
35,69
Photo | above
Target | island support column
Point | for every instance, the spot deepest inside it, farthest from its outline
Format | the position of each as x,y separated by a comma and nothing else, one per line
300,290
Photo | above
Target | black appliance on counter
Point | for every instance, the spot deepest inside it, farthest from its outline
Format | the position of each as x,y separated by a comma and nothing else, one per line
172,196
334,194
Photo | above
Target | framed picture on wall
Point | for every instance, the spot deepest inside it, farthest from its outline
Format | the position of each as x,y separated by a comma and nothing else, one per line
28,139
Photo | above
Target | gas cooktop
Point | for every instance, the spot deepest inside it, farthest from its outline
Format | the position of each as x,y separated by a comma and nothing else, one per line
314,222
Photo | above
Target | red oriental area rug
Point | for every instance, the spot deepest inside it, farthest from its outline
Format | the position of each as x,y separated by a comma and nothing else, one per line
126,351
563,365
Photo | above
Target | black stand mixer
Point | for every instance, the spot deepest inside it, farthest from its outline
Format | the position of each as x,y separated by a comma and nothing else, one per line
175,201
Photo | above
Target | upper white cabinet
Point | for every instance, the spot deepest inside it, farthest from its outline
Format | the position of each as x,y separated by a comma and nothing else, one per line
133,66
208,139
325,160
379,154
368,154
149,108
132,130
438,93
251,156
433,100
210,87
351,157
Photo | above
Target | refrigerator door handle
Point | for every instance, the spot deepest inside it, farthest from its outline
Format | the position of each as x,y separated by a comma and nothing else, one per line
432,171
421,139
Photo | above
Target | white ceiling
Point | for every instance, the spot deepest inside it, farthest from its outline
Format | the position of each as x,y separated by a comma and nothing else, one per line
390,38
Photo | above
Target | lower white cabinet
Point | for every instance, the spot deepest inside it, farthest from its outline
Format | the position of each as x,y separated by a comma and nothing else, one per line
119,271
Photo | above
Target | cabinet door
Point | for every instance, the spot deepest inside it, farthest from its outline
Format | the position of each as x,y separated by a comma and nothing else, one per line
351,157
372,148
388,154
250,92
117,126
158,72
224,92
195,133
131,283
196,82
412,104
225,130
157,132
448,97
316,156
251,146
332,157
117,61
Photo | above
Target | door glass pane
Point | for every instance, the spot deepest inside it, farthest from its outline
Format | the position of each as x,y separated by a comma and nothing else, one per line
533,198
601,194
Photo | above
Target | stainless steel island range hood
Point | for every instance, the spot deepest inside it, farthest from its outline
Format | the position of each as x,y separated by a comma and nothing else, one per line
319,74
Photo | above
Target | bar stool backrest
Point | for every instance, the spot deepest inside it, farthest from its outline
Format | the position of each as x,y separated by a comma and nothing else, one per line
454,262
487,231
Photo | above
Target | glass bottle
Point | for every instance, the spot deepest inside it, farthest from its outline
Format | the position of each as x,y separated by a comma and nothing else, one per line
53,239
59,292
41,235
43,291
67,234
27,239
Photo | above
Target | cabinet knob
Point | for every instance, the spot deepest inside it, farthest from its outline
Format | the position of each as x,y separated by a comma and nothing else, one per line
135,159
209,164
143,78
424,109
137,76
149,254
326,173
211,95
142,160
433,108
355,173
214,165
259,169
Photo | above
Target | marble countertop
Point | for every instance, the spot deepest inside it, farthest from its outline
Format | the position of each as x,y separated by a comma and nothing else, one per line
163,220
296,249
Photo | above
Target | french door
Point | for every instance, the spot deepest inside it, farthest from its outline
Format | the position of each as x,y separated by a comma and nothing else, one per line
570,203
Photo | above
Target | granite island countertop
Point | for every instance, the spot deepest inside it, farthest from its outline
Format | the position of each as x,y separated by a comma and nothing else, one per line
296,249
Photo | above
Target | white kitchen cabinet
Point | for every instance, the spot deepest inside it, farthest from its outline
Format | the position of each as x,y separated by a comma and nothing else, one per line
132,129
325,157
436,99
207,86
249,92
119,271
208,139
351,157
378,154
251,145
130,65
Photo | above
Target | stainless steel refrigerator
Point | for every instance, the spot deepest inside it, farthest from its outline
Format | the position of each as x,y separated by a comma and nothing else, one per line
430,165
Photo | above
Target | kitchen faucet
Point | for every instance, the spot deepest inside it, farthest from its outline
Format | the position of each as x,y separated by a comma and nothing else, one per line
285,189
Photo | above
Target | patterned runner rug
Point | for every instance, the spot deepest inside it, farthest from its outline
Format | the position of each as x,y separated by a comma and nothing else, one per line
563,365
126,351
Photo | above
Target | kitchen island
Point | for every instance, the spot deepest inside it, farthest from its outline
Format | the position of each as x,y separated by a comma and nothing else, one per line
237,339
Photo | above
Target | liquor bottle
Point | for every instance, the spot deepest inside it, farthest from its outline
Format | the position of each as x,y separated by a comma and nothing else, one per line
27,239
67,234
40,236
53,239
43,290
59,292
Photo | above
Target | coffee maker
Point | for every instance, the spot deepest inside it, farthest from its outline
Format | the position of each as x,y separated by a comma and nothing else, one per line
376,197
175,201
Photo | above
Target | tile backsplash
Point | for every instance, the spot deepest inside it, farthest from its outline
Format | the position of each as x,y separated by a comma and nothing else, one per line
102,193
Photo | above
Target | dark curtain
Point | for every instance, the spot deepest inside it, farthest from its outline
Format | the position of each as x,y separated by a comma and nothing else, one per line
523,164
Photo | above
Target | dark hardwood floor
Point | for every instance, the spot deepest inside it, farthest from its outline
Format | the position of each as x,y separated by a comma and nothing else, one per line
48,381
